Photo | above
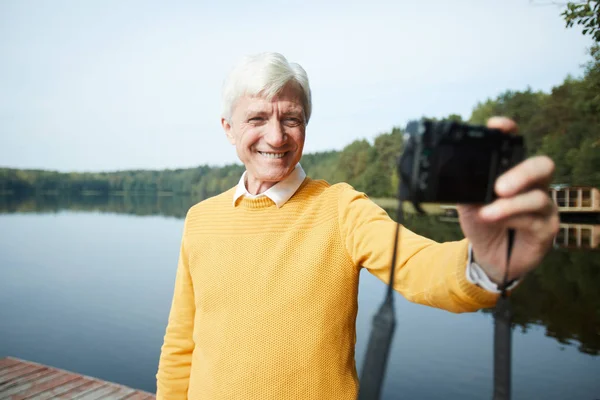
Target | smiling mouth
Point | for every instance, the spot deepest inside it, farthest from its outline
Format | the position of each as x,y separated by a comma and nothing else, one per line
272,155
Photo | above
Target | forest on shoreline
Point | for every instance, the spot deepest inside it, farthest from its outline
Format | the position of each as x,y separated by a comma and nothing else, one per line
563,124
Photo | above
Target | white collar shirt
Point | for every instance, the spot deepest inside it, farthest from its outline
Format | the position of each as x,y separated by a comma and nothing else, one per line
280,193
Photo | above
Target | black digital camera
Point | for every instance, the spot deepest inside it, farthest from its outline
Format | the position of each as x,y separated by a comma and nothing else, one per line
452,162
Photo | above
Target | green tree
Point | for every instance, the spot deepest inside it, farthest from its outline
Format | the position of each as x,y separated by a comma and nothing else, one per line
354,160
586,14
379,178
523,107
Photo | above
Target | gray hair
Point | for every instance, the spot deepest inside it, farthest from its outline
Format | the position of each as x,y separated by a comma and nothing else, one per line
264,75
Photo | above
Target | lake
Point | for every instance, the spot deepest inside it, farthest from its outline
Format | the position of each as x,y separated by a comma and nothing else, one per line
86,285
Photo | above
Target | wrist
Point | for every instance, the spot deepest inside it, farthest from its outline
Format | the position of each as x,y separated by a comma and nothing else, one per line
491,273
489,278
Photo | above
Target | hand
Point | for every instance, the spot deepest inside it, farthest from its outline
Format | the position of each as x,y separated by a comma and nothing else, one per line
524,205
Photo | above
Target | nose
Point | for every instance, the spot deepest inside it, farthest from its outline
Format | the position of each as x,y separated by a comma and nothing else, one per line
275,136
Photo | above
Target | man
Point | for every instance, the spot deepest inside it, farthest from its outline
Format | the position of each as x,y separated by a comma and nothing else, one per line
265,296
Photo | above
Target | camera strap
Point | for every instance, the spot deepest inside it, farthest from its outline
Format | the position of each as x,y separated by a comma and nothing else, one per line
384,324
503,333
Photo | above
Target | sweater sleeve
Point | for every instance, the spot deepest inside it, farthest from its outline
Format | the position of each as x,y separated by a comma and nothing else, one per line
175,362
427,272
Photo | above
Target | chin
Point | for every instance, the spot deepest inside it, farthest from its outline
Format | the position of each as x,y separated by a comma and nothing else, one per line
276,175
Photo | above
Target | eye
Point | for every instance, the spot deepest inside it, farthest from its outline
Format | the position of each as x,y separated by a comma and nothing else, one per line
292,122
255,120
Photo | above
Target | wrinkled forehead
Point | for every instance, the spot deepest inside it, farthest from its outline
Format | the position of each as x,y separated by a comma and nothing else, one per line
260,104
288,100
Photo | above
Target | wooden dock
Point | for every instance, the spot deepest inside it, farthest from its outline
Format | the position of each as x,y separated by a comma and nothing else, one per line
27,380
575,199
571,200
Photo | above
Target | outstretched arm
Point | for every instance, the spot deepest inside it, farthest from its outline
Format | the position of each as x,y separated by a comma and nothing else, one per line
427,272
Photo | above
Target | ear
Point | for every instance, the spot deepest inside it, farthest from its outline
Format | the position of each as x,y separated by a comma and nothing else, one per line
228,130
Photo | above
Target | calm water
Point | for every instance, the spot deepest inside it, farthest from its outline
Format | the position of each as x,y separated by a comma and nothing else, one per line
86,285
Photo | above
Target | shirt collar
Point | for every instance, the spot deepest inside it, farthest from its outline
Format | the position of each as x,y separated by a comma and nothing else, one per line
280,193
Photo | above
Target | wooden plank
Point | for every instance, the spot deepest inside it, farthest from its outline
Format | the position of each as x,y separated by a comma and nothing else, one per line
88,386
13,368
121,393
25,382
20,380
7,362
99,393
44,384
138,395
20,373
55,392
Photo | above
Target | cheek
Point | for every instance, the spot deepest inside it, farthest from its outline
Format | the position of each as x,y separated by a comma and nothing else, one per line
298,136
249,138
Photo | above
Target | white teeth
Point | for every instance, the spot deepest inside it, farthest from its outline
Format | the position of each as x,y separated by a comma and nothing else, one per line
272,155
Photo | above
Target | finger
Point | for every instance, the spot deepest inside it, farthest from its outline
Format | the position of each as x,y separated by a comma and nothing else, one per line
534,201
505,124
533,172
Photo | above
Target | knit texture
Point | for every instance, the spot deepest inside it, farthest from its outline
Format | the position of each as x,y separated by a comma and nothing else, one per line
265,299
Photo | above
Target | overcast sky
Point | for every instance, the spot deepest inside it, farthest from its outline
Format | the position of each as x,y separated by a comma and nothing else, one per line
124,84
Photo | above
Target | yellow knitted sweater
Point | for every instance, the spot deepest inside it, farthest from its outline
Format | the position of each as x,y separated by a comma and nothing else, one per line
265,299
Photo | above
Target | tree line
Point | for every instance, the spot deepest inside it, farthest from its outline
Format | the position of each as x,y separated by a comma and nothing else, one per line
563,124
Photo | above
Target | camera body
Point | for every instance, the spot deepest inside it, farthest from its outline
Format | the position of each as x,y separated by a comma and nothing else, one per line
452,162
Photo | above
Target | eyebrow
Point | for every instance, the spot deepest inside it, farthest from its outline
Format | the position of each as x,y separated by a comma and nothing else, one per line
294,111
295,108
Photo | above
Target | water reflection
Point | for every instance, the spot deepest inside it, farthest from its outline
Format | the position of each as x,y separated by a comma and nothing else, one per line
578,236
562,295
171,206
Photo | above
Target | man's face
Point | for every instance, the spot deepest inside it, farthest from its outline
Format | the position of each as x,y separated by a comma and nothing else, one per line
268,136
